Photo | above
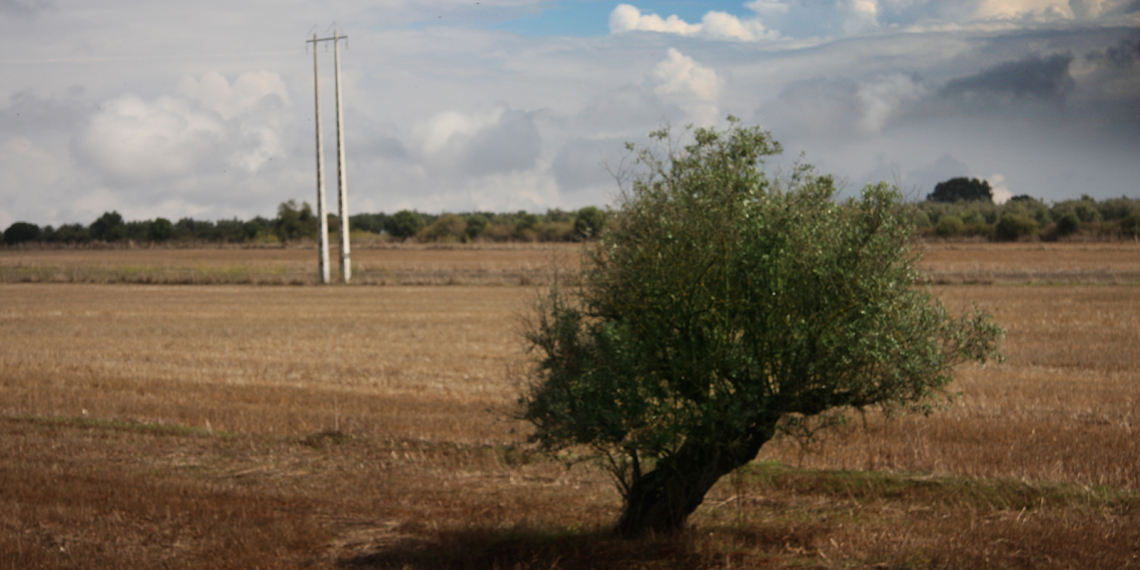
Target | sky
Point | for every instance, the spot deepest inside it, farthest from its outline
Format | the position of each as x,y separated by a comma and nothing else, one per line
205,109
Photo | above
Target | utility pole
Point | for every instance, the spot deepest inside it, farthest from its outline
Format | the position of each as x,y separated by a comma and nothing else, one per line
322,216
341,183
342,186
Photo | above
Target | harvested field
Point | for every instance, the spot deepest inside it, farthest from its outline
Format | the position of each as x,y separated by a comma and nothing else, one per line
1042,263
506,264
519,264
227,426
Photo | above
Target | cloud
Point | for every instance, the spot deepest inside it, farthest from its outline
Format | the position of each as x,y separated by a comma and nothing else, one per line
30,114
133,140
714,25
215,93
499,140
838,109
679,74
23,8
695,87
883,98
1043,78
1001,191
582,163
625,110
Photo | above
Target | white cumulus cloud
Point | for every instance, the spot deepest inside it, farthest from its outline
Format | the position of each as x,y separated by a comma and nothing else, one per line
215,93
694,87
713,25
680,74
135,140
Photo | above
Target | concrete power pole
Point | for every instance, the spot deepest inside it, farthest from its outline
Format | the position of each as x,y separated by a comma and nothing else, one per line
322,216
342,186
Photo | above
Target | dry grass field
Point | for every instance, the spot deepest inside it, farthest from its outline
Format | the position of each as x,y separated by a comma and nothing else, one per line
241,426
498,264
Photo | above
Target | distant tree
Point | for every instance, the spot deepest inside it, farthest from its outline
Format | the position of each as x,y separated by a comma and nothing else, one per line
405,224
588,222
448,227
1068,224
71,233
962,189
476,224
949,225
161,229
525,221
721,307
295,223
373,223
1130,225
109,227
21,232
1012,227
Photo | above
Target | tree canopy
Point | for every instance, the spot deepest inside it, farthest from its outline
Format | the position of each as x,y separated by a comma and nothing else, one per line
721,306
962,190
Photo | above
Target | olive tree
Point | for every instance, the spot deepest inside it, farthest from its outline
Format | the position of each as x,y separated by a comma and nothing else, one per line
721,306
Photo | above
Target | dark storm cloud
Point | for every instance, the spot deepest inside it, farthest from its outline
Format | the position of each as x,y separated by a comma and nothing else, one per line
1121,55
1044,78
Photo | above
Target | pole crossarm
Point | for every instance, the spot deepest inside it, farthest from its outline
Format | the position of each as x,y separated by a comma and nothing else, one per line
317,40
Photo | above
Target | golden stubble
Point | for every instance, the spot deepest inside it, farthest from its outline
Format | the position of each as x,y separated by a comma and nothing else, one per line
337,422
422,362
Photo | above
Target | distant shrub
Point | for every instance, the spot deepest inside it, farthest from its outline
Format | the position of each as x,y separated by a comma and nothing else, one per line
1130,225
476,225
446,228
949,225
109,227
1068,224
588,222
21,232
405,224
161,229
1012,227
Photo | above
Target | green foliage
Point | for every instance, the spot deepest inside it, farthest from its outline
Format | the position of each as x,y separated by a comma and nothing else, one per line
68,233
476,224
21,232
1012,227
1131,225
949,225
373,223
446,228
294,223
962,190
161,229
588,223
719,306
1068,224
405,224
109,227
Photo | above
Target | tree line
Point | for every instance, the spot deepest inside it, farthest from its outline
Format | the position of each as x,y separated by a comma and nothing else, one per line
971,213
295,223
960,208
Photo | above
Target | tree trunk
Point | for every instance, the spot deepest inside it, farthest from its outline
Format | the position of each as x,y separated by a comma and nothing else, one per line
662,500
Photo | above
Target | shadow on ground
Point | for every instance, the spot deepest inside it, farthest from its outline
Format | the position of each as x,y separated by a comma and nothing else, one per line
484,549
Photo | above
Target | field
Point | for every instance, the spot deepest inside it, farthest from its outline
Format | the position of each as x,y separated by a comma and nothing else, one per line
229,425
